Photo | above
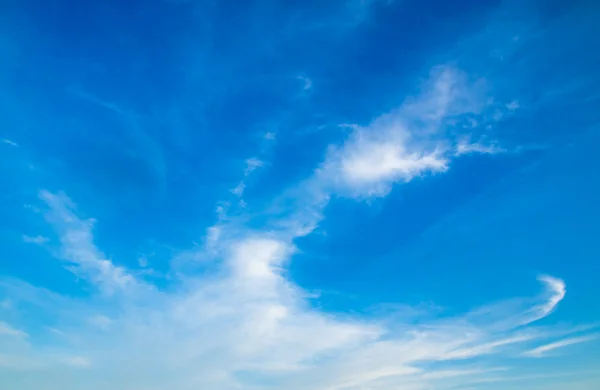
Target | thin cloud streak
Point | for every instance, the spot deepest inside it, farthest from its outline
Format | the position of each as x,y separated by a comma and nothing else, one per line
543,350
77,248
37,240
9,142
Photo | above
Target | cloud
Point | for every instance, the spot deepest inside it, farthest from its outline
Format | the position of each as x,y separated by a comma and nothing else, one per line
465,146
370,166
101,322
38,240
408,142
243,322
544,349
306,82
77,248
143,261
239,189
252,164
7,330
557,291
513,105
246,324
78,361
416,139
9,142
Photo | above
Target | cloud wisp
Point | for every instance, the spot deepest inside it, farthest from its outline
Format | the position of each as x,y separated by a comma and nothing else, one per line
420,137
10,143
413,140
37,240
77,248
543,350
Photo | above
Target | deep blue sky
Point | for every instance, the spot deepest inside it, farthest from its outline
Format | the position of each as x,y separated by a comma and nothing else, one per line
344,194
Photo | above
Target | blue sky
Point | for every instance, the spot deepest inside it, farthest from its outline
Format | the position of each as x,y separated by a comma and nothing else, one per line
332,195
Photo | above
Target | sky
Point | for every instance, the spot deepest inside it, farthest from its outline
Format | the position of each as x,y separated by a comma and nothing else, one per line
324,195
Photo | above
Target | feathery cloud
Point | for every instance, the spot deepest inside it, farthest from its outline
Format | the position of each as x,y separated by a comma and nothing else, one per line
252,164
9,142
245,323
542,351
465,146
38,240
408,142
7,330
249,325
77,248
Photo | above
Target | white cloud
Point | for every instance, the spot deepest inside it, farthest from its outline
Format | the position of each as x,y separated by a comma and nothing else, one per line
38,240
143,261
513,105
77,361
544,349
101,322
465,146
9,142
556,292
247,325
306,82
370,167
408,142
239,189
77,248
221,211
7,330
252,164
244,323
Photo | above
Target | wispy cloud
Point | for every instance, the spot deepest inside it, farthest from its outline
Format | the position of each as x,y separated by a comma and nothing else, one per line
252,164
9,142
306,82
38,240
513,105
77,361
77,248
408,142
465,146
543,350
248,324
101,322
557,290
239,189
244,322
7,330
